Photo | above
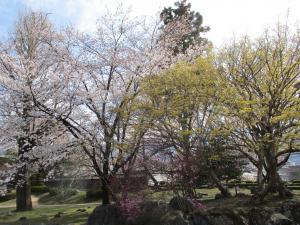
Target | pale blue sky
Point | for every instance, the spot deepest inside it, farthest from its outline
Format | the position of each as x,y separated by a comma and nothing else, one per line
225,17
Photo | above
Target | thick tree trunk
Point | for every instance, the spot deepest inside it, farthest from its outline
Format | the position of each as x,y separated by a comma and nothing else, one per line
224,190
105,192
274,184
23,195
282,189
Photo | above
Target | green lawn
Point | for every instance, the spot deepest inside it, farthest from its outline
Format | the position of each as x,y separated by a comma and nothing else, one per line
46,215
80,197
75,210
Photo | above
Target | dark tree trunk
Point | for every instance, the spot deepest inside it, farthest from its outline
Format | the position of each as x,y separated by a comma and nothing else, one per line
282,189
151,177
273,184
260,178
105,176
23,195
105,192
25,145
224,190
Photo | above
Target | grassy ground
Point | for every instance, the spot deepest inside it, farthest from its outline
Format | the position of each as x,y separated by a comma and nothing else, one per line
80,197
72,214
208,194
75,209
50,210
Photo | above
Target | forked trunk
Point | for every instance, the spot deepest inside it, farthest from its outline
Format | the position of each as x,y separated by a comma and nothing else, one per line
274,185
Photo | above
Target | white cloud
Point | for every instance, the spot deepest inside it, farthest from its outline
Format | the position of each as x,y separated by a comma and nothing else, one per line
224,17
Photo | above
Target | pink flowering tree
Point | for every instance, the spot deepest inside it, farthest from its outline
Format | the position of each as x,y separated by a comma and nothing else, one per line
25,60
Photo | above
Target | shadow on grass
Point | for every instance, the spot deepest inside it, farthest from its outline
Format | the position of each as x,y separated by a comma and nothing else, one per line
63,199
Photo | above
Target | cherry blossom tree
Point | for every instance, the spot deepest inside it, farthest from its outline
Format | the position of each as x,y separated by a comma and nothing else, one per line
25,59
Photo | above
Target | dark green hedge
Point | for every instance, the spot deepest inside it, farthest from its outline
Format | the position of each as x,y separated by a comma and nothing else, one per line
294,187
39,189
93,194
62,191
8,196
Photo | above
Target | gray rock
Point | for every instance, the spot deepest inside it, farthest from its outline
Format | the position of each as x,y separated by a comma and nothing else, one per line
279,219
240,217
259,215
58,215
291,209
220,219
23,221
152,213
182,204
81,210
218,196
199,218
106,215
176,221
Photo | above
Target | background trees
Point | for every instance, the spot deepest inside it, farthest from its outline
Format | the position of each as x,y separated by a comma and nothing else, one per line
262,102
97,95
183,103
131,92
193,22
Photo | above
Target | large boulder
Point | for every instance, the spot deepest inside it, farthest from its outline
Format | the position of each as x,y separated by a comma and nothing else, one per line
221,219
182,204
217,217
153,213
199,218
279,219
259,215
181,211
106,215
291,209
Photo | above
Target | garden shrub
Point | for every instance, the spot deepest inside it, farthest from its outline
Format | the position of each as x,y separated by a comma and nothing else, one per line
63,191
296,182
8,196
40,189
94,194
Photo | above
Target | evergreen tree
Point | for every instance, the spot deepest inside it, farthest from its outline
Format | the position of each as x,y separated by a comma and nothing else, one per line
194,20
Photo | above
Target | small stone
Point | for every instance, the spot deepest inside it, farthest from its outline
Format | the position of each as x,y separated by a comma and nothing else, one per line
59,214
23,220
279,219
81,210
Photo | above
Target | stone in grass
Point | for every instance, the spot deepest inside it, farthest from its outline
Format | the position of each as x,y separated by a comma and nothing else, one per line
81,210
58,215
23,220
182,204
279,219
